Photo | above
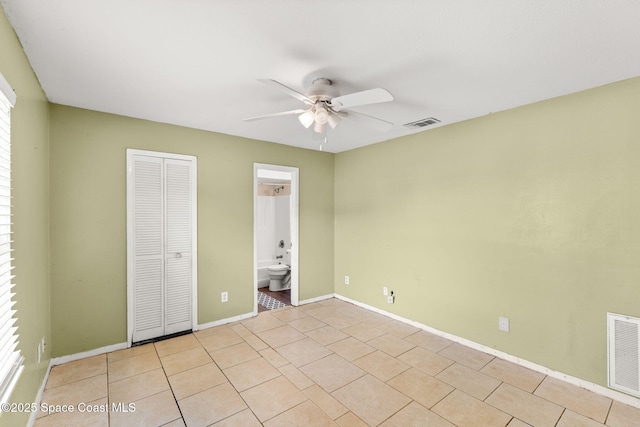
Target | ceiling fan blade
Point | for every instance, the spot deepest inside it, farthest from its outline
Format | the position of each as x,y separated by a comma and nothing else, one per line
267,116
374,122
297,95
371,96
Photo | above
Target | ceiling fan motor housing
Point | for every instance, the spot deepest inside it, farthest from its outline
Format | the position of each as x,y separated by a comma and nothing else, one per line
322,90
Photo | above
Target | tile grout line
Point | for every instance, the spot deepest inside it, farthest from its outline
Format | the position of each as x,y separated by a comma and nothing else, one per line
281,374
390,416
564,408
606,418
231,384
440,400
170,387
561,415
478,370
532,393
146,372
411,400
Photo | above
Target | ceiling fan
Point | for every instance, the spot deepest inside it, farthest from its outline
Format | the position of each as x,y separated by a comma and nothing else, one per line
325,106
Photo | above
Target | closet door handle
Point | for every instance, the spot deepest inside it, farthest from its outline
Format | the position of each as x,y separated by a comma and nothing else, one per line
178,255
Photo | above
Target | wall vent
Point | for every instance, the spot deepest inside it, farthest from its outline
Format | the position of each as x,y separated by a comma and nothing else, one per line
419,124
624,353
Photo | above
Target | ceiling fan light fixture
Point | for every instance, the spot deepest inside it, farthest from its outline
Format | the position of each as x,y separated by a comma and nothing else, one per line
334,120
321,115
319,127
307,118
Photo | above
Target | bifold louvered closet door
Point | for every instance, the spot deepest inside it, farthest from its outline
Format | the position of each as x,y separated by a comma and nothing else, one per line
161,244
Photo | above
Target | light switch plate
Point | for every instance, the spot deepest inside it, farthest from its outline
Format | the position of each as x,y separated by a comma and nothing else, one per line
503,324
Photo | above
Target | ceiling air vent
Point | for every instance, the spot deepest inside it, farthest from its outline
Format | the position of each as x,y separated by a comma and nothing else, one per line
423,123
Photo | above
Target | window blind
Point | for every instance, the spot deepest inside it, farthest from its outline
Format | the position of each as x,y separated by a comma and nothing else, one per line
11,361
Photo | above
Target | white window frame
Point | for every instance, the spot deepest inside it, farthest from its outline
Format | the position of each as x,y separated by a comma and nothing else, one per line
11,360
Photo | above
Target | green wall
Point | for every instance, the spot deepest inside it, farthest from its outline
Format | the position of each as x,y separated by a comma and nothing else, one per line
88,214
530,213
30,173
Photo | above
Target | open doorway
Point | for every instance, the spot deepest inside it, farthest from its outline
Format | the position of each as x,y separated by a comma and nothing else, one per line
275,236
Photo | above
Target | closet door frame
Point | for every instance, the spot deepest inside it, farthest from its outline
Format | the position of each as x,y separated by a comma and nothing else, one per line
130,153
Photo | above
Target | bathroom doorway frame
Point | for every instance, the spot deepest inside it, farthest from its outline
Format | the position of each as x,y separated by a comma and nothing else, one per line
295,228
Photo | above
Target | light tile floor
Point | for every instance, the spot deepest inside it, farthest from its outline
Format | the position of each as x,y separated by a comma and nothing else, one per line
322,364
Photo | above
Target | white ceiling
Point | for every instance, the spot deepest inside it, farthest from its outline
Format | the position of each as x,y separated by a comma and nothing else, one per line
196,63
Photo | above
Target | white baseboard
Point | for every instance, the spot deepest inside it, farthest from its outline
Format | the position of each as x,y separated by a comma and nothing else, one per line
316,299
108,349
227,320
38,399
596,388
95,352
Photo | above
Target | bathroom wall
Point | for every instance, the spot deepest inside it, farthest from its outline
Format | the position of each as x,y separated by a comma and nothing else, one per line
283,223
273,221
265,228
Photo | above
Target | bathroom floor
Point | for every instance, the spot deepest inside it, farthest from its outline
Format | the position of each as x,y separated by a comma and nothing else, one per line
321,364
282,296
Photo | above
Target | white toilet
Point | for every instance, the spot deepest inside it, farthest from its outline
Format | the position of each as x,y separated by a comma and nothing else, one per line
279,277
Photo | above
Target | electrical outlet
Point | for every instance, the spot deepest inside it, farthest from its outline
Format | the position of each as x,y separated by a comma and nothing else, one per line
503,324
390,298
43,344
346,280
224,296
385,291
